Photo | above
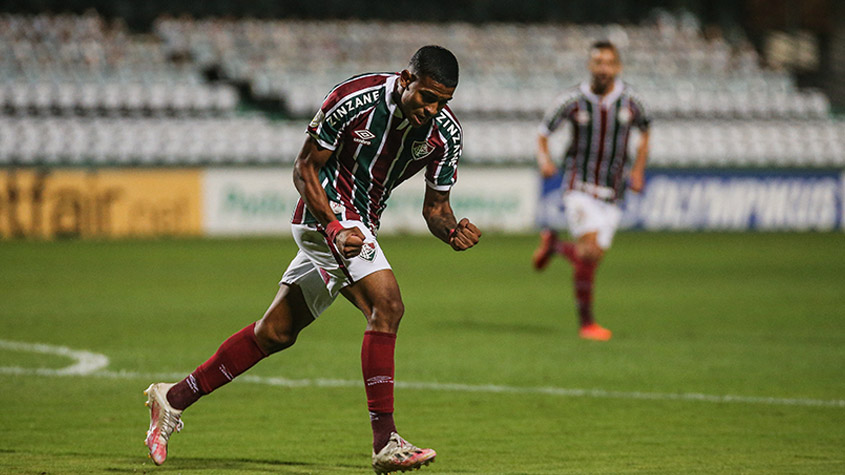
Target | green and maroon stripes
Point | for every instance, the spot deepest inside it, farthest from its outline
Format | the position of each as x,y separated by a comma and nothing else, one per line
343,104
374,147
598,150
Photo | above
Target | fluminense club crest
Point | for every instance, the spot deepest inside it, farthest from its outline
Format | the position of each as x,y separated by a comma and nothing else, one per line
368,251
421,149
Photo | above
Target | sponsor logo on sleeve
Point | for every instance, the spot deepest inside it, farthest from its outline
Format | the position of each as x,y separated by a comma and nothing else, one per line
315,122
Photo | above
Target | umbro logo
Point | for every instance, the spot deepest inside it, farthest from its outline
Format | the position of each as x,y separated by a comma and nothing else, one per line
379,380
363,136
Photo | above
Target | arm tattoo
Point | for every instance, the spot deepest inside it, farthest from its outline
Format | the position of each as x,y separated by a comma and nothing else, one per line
438,215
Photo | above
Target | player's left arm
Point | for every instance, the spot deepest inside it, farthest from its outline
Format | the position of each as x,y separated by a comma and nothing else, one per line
638,169
437,210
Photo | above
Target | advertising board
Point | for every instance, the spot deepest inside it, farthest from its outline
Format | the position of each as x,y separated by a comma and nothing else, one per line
97,203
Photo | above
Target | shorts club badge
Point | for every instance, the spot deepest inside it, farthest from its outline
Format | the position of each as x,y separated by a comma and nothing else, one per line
368,251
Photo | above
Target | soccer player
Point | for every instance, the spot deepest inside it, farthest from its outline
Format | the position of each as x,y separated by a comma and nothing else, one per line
596,170
372,132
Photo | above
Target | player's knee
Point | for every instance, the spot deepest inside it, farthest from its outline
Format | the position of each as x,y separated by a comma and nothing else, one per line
386,315
594,256
591,254
273,338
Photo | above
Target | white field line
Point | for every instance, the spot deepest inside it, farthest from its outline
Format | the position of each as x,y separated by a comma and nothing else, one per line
92,364
85,362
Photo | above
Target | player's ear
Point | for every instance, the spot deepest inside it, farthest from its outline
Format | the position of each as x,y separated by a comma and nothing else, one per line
406,78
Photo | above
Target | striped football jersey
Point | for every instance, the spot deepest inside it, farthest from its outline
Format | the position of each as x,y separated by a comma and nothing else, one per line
375,149
596,160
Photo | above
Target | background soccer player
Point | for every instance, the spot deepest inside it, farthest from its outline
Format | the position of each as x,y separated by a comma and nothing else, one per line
372,132
595,172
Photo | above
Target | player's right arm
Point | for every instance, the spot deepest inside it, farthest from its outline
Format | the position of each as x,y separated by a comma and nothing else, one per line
306,178
544,158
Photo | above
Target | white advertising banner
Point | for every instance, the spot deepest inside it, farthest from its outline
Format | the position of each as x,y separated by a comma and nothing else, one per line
261,201
495,199
248,201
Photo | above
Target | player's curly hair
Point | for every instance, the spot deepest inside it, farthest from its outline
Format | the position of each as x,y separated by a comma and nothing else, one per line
436,62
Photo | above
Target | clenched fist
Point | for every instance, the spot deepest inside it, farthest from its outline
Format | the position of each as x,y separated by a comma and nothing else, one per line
464,236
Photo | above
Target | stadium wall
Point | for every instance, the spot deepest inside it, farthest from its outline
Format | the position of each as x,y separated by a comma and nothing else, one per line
121,203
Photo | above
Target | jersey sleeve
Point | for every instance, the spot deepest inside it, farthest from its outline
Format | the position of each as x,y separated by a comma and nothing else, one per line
322,128
561,109
642,118
442,172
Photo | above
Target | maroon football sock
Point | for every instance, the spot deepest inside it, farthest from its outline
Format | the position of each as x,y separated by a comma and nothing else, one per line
583,277
184,393
236,355
383,426
378,368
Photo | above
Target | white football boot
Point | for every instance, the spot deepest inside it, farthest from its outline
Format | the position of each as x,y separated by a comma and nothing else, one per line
164,419
401,455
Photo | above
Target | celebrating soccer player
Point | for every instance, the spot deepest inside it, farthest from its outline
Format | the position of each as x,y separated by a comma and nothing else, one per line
595,171
373,132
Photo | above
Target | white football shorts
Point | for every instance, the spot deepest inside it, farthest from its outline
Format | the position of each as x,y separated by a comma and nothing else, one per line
321,272
587,214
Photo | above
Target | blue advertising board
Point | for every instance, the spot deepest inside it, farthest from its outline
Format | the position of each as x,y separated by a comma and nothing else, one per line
722,200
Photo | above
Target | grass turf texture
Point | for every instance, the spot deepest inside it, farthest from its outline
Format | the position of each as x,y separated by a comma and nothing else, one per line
752,315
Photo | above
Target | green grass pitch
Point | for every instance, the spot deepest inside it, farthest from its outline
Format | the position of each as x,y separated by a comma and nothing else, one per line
728,356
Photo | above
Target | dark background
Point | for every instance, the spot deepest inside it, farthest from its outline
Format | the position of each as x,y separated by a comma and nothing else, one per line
753,15
755,19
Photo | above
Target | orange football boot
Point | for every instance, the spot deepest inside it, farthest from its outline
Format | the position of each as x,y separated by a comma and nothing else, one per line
594,331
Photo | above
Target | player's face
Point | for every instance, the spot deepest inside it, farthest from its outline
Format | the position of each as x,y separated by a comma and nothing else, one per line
422,98
604,67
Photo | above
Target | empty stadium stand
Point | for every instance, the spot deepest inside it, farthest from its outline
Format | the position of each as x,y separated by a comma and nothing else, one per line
80,90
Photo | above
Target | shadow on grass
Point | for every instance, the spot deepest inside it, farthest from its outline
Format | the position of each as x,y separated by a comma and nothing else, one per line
28,462
244,465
